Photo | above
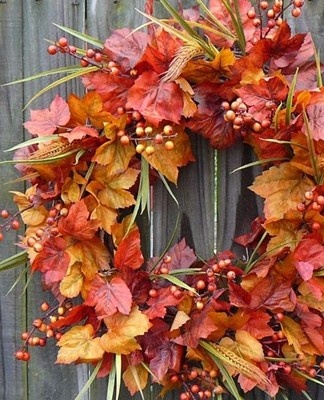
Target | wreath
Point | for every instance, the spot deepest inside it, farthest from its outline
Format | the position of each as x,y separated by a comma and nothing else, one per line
228,71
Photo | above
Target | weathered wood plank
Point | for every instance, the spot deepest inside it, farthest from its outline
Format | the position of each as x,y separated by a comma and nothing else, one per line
12,307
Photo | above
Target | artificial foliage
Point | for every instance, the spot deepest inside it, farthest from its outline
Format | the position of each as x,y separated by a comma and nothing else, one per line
228,71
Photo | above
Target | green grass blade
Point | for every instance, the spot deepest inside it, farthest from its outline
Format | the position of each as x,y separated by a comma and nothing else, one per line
137,380
111,383
258,162
305,394
118,364
65,79
284,396
150,372
36,140
61,70
290,97
184,24
176,281
14,261
18,279
284,142
47,160
250,262
87,385
319,78
187,271
167,186
82,36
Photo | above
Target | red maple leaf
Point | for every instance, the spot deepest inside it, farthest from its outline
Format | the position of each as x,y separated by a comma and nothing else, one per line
77,224
168,357
152,98
77,314
113,89
79,132
128,253
309,256
53,260
209,121
159,303
258,97
45,122
315,114
125,47
109,297
160,53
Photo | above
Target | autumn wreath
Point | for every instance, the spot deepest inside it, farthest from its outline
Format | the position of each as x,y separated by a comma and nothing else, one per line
222,326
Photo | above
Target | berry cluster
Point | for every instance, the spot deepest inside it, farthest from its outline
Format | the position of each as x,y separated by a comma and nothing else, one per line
312,206
51,229
271,15
146,137
238,115
42,330
93,57
11,222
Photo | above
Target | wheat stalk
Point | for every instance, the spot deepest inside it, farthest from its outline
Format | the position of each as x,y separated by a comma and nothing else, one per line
241,365
52,149
181,59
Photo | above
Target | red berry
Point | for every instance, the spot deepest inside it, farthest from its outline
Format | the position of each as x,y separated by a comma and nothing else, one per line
4,214
124,140
98,57
26,356
62,42
200,284
296,12
251,13
158,138
90,53
19,355
84,62
264,5
44,306
52,50
15,225
1,237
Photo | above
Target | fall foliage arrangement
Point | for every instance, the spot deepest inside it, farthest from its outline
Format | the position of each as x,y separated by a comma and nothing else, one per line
228,71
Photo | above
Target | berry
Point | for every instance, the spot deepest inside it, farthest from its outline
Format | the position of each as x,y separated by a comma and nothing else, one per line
4,214
52,50
120,110
124,140
153,293
63,42
19,355
26,356
199,305
167,130
64,212
149,150
140,148
256,127
231,275
296,12
158,139
38,247
44,306
98,57
169,145
15,225
84,62
309,195
139,131
148,130
251,13
316,226
1,237
298,3
201,284
90,53
256,22
229,116
312,373
264,5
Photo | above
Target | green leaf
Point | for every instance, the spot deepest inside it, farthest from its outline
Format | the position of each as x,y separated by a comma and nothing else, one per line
36,140
118,365
47,160
79,72
82,36
61,70
87,385
311,148
111,383
176,281
258,162
318,68
14,261
290,98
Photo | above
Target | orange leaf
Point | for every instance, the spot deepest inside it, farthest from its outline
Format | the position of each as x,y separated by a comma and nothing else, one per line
79,345
135,378
31,214
128,253
76,224
123,330
294,334
168,161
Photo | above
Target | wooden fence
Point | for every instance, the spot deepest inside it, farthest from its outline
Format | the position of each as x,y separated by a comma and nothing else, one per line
23,26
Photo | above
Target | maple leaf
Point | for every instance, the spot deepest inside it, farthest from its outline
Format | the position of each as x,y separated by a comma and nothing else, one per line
309,255
315,114
128,253
166,161
258,324
167,357
209,121
182,256
76,223
159,53
113,89
256,96
45,122
294,334
79,345
283,188
89,108
152,98
72,283
53,260
79,132
126,47
135,378
109,297
158,304
31,214
77,314
123,330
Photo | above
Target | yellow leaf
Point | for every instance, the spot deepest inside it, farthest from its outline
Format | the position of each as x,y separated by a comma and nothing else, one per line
180,319
72,283
294,334
79,345
135,378
248,346
70,192
123,330
283,188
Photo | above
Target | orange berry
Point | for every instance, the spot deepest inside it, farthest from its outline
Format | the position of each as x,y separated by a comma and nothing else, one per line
124,140
169,145
149,150
167,130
